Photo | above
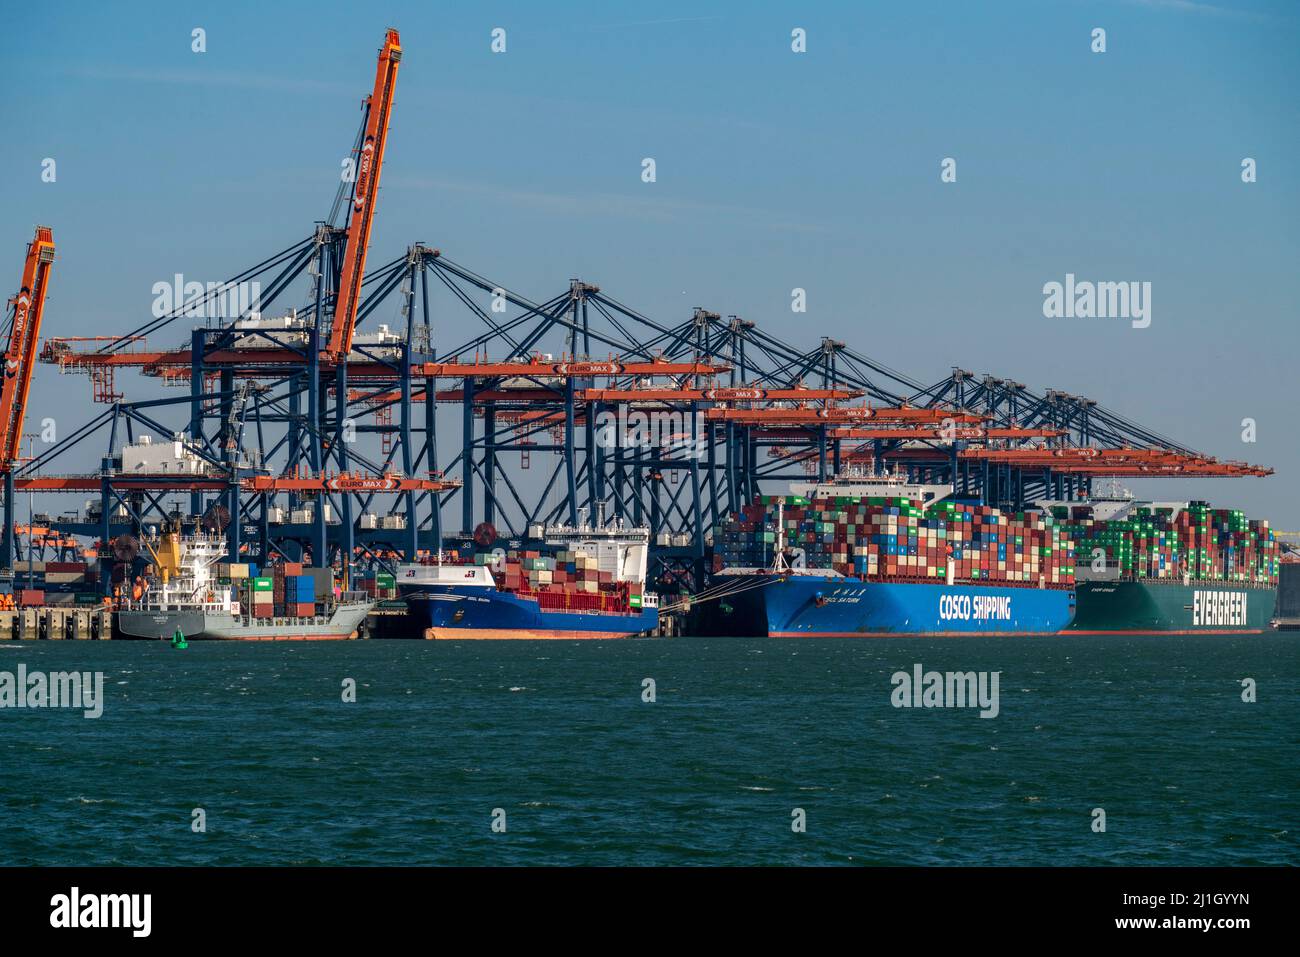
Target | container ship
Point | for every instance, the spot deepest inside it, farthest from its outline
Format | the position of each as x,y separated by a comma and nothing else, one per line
567,582
879,557
191,589
1172,568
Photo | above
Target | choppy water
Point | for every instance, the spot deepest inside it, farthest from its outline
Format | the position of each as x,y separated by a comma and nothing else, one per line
1153,730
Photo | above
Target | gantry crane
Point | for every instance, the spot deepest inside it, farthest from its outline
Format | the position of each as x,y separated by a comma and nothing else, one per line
23,328
370,162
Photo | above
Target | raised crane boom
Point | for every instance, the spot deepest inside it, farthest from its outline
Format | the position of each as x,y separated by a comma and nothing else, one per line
379,108
24,333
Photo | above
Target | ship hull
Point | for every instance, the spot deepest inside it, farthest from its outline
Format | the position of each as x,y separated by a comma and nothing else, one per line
156,625
1172,608
340,625
458,612
820,607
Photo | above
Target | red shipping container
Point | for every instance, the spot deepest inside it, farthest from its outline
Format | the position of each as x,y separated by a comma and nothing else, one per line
31,597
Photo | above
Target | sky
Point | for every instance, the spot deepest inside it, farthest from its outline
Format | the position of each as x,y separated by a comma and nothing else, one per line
774,170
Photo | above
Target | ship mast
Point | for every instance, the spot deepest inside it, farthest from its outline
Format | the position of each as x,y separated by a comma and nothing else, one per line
778,560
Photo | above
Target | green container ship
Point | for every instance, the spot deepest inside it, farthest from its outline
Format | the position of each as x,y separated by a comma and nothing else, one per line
1121,607
1169,568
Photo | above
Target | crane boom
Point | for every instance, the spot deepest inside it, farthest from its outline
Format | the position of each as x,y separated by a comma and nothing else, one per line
24,333
379,109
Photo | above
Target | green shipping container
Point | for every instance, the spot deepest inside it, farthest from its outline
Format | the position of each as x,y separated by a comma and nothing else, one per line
262,584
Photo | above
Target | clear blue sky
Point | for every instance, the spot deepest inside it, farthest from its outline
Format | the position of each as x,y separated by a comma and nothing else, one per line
775,170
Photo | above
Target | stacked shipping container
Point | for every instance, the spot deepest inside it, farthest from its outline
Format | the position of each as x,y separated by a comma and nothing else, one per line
1199,543
897,538
560,579
261,592
378,585
292,590
40,583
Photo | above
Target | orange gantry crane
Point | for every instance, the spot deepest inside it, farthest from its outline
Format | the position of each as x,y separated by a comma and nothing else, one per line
843,415
27,306
271,363
343,482
1131,462
953,433
24,330
754,393
87,355
370,162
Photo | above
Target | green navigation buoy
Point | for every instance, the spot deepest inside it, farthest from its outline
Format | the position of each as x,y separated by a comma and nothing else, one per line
178,640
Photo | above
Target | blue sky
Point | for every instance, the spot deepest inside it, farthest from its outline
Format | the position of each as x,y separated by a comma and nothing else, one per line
775,170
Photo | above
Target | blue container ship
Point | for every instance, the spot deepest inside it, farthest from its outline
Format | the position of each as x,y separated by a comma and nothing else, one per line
876,556
574,582
805,604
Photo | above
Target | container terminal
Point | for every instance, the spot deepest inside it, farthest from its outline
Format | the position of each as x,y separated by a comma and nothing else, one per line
292,450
